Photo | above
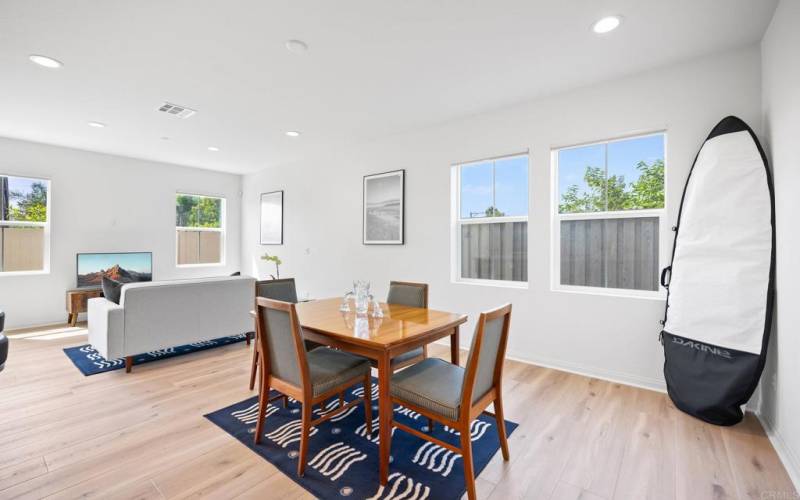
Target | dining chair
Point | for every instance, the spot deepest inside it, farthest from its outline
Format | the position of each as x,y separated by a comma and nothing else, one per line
456,396
309,377
413,295
285,291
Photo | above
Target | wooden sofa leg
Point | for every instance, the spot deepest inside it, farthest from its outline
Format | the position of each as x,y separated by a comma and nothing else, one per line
128,363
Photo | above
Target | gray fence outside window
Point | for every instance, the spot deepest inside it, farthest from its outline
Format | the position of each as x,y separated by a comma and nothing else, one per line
21,248
495,251
610,253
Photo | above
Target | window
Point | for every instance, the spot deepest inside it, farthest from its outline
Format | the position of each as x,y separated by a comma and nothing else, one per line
491,221
200,229
24,224
609,211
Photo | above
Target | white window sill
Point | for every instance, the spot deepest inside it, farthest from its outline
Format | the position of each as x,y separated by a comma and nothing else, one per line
623,293
520,285
23,273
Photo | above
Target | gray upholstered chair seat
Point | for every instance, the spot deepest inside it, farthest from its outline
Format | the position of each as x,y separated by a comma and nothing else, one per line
432,384
406,356
329,368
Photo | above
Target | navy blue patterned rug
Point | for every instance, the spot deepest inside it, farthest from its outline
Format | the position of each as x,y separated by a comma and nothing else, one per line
90,362
342,459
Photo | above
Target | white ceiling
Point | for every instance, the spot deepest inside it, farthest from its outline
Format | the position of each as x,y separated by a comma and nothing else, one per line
374,67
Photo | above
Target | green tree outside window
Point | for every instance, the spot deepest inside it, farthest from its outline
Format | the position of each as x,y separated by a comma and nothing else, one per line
198,211
614,194
23,205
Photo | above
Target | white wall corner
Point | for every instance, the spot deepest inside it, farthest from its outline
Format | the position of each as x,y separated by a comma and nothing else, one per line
790,460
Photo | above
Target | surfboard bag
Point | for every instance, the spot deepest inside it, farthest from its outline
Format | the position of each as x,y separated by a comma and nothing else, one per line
720,284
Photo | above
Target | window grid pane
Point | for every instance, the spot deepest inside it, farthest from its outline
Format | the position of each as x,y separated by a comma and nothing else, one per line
490,250
23,199
23,223
511,187
477,191
495,251
612,176
610,253
204,245
21,248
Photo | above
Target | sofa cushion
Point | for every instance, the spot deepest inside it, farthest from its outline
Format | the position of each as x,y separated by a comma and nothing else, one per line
112,289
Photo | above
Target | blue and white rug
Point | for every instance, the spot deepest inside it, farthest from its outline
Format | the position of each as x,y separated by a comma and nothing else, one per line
342,459
90,362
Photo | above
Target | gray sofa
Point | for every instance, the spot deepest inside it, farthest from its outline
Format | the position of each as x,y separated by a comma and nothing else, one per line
162,314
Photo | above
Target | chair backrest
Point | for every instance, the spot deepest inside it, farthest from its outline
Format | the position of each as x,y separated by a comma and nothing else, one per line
281,289
408,294
485,364
281,342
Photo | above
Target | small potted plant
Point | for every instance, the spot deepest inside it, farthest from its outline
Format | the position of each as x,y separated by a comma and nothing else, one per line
277,260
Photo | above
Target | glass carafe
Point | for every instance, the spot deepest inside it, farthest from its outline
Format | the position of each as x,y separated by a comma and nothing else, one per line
362,296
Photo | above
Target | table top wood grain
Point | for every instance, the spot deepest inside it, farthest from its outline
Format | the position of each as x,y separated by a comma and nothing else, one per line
400,324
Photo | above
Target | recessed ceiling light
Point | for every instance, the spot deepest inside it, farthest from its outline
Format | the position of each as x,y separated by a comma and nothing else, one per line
293,133
47,62
296,46
97,124
606,24
213,148
165,138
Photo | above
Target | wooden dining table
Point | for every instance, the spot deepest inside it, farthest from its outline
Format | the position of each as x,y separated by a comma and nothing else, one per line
400,330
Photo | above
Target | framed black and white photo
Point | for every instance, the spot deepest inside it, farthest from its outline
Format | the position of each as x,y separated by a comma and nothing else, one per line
272,218
384,205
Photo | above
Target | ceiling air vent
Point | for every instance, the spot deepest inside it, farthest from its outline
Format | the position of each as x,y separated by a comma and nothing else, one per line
176,110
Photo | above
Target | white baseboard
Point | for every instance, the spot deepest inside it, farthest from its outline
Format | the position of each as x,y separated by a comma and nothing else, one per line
55,323
595,372
652,384
788,457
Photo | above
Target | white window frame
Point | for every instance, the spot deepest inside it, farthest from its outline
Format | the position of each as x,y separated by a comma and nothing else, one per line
556,218
457,222
221,229
46,225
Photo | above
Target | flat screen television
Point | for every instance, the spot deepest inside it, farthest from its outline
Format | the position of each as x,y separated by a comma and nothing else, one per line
127,267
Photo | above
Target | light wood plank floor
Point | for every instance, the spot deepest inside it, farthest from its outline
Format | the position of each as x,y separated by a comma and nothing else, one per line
142,435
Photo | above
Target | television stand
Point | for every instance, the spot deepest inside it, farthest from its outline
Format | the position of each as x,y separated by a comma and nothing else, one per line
76,302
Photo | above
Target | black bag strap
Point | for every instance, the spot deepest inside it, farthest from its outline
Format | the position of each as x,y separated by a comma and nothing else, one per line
664,272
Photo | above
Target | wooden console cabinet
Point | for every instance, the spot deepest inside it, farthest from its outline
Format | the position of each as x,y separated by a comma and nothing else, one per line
76,302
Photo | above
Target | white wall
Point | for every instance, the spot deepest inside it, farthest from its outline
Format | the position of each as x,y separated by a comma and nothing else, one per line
780,398
103,203
610,337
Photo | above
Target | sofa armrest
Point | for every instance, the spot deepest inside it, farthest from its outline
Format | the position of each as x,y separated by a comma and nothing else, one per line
106,327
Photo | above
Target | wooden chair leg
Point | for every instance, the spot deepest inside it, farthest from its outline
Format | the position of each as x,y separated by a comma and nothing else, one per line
263,401
501,424
128,363
368,401
466,455
254,369
430,425
285,400
305,427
